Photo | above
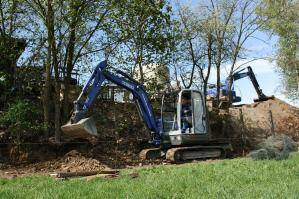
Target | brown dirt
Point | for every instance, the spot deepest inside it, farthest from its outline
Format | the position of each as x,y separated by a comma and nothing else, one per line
124,137
71,158
257,125
70,162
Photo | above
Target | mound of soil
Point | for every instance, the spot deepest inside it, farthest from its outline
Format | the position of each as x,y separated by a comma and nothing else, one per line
75,161
72,161
254,120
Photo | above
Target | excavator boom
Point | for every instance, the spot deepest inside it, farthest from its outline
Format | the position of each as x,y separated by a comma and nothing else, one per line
181,132
251,75
224,90
80,126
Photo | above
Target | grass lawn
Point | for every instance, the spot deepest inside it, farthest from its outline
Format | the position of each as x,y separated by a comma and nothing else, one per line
237,178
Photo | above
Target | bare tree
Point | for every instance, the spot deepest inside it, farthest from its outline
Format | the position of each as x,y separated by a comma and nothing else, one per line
197,45
214,35
223,12
245,23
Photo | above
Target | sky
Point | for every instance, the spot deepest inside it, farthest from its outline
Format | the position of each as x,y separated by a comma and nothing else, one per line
261,44
265,70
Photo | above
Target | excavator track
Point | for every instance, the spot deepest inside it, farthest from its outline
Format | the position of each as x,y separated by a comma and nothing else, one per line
151,154
181,154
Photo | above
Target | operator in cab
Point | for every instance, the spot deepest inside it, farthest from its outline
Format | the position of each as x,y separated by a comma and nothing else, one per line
186,114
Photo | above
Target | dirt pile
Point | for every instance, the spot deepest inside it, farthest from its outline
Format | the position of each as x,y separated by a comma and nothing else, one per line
255,122
75,161
72,161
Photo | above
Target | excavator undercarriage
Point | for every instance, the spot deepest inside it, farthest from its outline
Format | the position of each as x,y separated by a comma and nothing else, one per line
186,153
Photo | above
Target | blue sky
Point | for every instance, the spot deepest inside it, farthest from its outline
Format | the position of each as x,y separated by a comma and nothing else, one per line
269,80
261,45
265,70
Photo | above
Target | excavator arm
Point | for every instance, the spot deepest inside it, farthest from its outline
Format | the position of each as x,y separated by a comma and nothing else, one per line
79,125
240,74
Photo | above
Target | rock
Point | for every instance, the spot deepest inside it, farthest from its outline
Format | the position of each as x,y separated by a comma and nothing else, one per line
260,154
274,147
280,142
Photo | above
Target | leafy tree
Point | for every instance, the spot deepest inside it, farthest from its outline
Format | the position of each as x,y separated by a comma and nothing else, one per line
138,34
281,17
11,13
71,29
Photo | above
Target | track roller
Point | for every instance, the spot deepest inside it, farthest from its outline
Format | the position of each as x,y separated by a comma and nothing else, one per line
151,154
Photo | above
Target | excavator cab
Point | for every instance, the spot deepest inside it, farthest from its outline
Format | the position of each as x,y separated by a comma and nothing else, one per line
184,117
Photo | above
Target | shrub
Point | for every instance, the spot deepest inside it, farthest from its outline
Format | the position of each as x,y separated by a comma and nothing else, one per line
22,121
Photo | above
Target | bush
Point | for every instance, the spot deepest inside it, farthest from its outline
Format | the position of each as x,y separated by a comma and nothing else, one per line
22,121
3,88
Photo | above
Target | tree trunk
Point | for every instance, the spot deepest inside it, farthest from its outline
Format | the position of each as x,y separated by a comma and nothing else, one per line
141,73
218,68
69,68
230,95
139,59
46,95
48,85
218,84
52,43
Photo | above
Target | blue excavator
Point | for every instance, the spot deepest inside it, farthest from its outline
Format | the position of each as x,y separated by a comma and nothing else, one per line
224,89
179,133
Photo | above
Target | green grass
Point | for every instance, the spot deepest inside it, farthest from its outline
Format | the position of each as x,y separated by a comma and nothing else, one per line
238,178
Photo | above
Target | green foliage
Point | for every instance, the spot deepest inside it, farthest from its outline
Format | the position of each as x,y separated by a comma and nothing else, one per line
281,18
238,178
3,81
22,119
4,84
140,32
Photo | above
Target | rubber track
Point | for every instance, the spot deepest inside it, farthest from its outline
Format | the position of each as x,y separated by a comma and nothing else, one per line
176,155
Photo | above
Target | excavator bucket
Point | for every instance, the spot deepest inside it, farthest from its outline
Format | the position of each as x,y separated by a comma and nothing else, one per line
265,98
83,129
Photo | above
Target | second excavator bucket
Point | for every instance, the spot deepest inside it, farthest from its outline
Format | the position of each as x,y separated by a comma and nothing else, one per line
85,128
264,98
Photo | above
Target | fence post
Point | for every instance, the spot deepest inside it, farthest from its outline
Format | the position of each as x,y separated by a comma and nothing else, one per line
271,123
241,117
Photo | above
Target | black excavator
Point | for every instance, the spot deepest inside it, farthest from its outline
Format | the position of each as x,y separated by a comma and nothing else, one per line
180,133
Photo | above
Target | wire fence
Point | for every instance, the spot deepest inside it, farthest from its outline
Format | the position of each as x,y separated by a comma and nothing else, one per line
114,141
